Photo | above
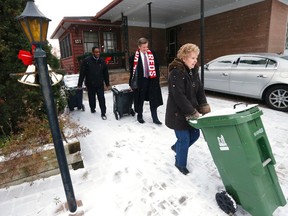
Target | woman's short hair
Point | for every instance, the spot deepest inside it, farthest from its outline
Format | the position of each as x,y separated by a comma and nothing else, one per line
142,41
186,49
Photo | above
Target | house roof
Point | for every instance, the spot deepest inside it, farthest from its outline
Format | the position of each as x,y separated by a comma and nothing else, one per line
166,13
83,20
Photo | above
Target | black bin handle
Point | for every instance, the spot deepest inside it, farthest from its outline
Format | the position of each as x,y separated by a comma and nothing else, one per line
240,103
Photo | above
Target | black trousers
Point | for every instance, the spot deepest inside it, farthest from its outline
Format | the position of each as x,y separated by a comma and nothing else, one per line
144,94
99,91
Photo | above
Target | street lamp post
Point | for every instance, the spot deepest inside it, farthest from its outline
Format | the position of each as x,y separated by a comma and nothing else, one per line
35,26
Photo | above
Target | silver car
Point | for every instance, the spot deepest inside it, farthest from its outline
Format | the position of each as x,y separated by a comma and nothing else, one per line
260,76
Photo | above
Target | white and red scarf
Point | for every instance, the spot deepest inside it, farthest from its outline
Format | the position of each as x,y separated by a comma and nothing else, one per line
151,66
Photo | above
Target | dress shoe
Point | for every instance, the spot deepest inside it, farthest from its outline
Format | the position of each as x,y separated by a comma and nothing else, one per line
140,120
103,116
157,122
183,170
93,111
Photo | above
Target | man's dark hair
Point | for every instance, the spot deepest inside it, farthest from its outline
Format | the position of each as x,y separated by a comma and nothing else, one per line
95,47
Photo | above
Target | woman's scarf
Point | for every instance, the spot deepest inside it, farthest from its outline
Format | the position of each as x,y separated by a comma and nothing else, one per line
151,63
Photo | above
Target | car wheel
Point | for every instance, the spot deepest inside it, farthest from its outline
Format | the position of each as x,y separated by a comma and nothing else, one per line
276,97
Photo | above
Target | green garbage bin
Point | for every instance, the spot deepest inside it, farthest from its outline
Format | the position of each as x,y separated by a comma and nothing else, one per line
241,151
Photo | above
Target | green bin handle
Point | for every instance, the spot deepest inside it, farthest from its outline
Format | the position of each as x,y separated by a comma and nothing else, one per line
198,123
266,162
240,103
194,123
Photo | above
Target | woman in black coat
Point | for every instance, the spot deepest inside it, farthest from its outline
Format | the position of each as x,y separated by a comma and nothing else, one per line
186,100
148,88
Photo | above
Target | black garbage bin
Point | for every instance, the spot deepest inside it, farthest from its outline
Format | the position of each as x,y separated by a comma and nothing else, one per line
73,94
122,100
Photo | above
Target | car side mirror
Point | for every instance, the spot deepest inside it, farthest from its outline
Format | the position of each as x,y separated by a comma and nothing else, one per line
206,67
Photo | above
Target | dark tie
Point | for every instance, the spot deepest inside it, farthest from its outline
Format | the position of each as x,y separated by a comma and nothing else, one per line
146,67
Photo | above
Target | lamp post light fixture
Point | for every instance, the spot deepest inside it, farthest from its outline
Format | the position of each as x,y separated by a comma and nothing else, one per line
35,26
34,23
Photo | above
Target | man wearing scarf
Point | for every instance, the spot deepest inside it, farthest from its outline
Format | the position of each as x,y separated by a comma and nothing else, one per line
144,63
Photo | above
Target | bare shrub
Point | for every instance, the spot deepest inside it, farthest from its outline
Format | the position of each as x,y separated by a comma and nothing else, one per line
26,147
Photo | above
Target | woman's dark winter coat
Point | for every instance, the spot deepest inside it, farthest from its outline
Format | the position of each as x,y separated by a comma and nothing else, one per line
185,95
154,95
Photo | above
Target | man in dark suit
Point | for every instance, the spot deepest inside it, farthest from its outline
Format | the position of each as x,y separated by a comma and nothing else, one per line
95,72
144,63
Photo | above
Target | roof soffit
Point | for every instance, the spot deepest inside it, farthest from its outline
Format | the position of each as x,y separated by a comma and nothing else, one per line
168,13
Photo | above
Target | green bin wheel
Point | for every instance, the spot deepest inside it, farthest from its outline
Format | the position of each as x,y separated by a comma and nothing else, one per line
226,202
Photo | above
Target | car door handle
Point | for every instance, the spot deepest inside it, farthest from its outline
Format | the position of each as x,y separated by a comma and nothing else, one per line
225,74
262,76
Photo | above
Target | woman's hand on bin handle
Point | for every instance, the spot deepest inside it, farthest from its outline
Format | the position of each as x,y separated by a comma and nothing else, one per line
193,116
204,109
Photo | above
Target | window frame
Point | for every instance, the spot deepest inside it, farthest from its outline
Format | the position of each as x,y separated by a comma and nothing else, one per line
65,47
88,45
113,40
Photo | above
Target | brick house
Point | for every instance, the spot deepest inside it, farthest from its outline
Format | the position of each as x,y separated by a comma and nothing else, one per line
77,36
226,28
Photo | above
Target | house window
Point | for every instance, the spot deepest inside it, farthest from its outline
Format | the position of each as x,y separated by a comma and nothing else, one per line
91,40
110,45
109,42
65,47
172,43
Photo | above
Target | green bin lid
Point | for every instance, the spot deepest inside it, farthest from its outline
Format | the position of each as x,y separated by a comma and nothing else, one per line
228,116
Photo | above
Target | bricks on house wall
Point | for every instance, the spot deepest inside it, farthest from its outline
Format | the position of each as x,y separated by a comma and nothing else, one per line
76,44
245,29
67,64
134,34
278,27
158,43
116,78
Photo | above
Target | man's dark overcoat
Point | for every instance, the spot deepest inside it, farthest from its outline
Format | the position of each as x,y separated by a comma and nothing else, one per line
154,95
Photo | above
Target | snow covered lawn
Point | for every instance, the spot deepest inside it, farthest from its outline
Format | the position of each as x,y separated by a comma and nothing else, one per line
129,169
